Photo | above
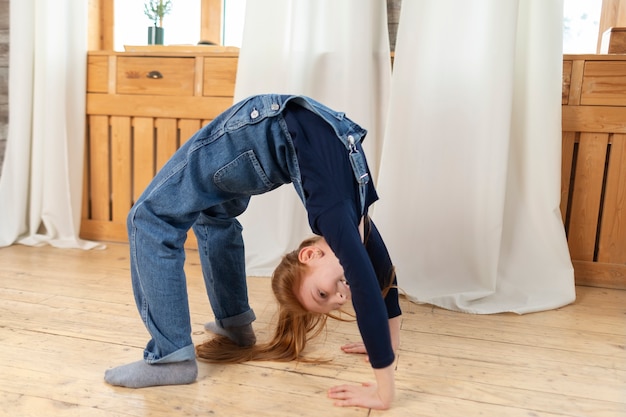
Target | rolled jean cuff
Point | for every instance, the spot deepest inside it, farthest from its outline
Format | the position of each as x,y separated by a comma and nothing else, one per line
181,355
239,320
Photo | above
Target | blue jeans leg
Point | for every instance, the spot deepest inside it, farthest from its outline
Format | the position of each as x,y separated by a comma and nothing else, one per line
159,286
222,255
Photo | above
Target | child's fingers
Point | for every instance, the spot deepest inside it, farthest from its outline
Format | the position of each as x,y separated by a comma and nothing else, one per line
357,347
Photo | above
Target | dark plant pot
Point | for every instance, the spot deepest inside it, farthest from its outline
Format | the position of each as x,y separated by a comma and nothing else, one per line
155,35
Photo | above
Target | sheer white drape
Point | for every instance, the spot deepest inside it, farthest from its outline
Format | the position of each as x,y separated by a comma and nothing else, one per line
41,182
334,51
470,165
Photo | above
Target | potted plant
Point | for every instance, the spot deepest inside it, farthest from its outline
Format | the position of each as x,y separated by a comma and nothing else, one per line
156,11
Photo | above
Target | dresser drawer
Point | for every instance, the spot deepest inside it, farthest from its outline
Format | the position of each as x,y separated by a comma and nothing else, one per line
155,76
219,76
604,83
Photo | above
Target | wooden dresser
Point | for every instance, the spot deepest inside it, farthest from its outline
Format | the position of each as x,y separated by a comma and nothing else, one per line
141,106
593,184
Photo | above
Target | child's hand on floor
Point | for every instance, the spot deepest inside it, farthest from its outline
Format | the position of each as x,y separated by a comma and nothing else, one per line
356,347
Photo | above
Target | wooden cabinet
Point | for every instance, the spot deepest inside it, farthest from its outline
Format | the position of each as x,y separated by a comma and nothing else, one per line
593,184
141,107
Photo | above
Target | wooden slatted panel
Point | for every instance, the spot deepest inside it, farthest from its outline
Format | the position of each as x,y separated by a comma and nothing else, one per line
143,154
86,170
126,153
587,190
187,129
612,244
569,139
593,184
120,168
166,140
100,178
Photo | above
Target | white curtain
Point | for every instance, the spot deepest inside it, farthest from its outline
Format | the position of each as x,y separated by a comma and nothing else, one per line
334,51
41,182
470,170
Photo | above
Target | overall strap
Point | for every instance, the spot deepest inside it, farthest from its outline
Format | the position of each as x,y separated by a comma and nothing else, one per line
357,160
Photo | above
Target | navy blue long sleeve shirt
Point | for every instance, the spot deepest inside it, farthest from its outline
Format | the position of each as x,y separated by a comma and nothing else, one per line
333,208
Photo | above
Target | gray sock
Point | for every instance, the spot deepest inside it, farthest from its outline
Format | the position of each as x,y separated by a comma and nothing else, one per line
242,335
141,374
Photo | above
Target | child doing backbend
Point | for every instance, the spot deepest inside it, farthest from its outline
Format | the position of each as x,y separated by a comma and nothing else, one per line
254,147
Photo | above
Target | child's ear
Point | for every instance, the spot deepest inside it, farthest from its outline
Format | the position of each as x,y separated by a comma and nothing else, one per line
308,253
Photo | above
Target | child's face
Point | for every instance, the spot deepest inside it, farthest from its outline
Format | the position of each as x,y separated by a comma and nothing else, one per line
323,287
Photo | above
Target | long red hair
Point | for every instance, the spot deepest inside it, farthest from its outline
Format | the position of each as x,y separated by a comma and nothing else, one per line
295,325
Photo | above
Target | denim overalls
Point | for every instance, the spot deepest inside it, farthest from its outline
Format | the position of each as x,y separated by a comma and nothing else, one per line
245,151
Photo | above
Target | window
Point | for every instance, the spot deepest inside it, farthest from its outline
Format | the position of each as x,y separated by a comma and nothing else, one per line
181,25
234,14
581,23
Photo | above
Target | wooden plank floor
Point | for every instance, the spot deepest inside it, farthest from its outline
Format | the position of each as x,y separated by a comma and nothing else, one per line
67,315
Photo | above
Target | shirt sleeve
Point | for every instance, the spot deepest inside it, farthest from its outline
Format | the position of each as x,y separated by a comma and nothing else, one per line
339,227
385,271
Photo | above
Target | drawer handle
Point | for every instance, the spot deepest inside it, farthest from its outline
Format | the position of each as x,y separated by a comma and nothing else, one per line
154,75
